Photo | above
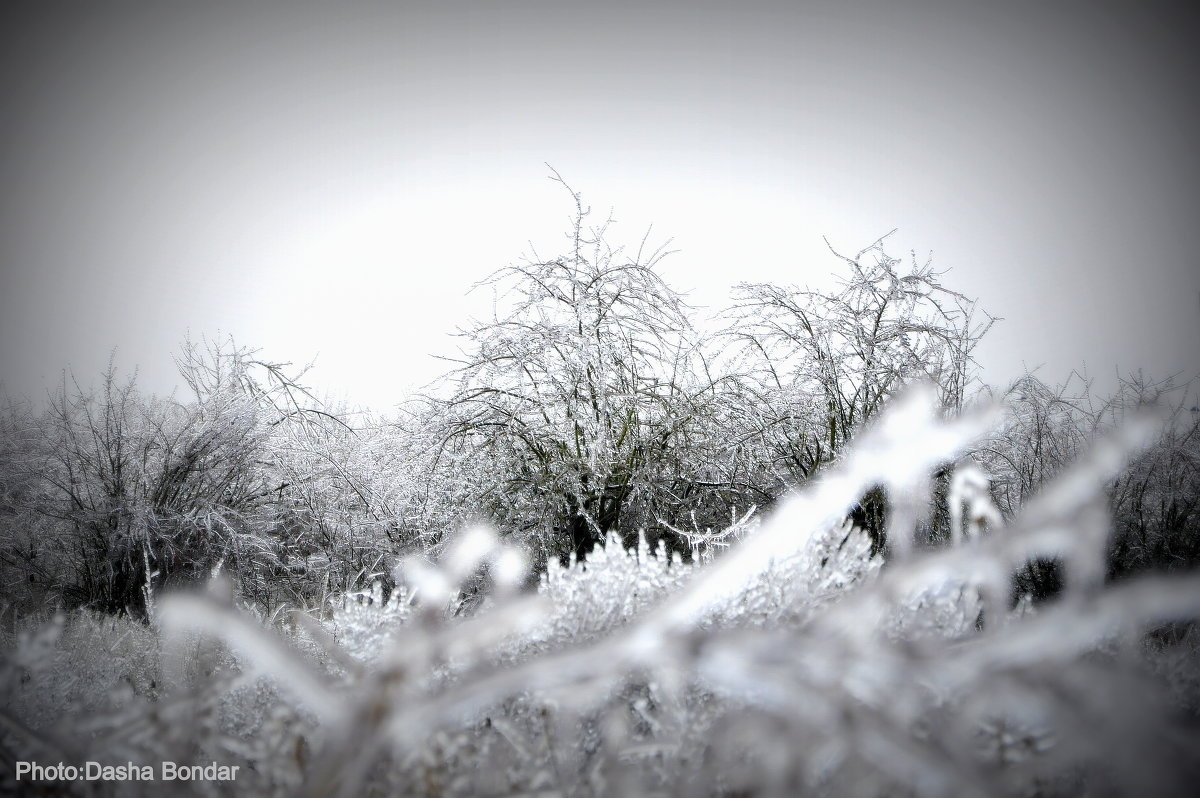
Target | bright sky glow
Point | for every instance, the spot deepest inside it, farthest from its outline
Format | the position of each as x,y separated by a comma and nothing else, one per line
330,185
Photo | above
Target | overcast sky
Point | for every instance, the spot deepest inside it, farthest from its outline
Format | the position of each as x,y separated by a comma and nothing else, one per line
330,184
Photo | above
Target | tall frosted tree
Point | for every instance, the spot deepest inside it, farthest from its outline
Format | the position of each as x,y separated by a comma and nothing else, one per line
578,390
815,366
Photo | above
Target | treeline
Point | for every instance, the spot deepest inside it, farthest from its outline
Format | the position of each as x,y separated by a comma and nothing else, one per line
589,402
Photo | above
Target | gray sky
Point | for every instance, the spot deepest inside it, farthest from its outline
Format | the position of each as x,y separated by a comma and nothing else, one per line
330,184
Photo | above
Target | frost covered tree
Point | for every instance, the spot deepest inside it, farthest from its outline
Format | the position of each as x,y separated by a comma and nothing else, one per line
131,493
578,390
1155,502
1045,430
815,366
123,494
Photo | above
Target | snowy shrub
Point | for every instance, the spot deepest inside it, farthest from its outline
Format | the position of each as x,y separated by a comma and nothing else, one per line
363,623
82,663
615,585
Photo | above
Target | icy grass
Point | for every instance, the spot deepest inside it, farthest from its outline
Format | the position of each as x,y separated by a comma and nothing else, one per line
793,663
